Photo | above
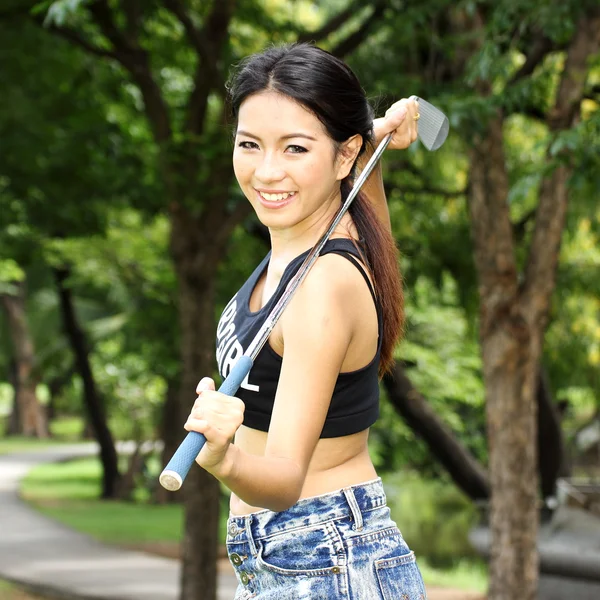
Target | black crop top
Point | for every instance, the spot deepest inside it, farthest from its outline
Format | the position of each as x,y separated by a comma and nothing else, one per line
355,402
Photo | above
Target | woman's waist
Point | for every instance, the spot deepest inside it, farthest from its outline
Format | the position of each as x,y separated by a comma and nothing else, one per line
310,512
328,472
328,455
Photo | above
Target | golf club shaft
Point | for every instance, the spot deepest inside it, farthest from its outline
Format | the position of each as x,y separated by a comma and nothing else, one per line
432,131
178,467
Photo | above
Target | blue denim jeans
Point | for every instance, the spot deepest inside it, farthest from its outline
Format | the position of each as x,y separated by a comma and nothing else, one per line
339,545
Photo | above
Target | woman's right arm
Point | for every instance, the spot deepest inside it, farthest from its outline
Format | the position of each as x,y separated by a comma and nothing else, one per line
400,119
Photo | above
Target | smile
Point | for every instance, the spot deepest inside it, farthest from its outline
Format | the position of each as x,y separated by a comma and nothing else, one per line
277,200
276,197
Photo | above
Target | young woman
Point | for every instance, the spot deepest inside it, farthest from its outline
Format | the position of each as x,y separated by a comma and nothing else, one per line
308,512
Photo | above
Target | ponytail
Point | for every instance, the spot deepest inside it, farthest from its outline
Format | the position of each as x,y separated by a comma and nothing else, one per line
381,257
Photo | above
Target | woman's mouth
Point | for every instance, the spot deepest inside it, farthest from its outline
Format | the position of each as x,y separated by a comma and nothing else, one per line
275,200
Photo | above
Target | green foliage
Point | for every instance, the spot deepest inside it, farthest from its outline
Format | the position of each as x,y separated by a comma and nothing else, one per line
433,516
10,271
58,12
443,362
573,340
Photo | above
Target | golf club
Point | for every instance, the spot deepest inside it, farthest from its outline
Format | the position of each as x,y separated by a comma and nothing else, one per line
432,131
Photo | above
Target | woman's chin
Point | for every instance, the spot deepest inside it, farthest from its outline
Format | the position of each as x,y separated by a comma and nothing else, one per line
276,224
276,220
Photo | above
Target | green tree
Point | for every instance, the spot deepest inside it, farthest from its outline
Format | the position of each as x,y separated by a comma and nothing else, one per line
57,136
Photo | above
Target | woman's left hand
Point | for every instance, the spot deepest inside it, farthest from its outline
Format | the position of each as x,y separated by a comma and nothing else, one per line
400,118
216,416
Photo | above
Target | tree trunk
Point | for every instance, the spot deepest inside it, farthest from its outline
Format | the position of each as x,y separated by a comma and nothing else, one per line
513,318
464,469
509,369
12,427
197,249
55,387
201,490
510,372
31,413
93,403
170,434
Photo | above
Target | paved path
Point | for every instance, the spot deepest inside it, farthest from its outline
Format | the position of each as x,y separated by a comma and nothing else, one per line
57,561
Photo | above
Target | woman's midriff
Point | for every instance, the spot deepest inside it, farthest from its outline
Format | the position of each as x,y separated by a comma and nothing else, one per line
336,463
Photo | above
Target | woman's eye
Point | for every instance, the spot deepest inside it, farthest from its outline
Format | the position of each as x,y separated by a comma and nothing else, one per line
248,145
297,149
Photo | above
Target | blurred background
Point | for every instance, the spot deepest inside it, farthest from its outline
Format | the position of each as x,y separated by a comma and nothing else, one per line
123,234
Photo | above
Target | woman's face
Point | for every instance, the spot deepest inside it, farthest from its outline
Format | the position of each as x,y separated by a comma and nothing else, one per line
285,162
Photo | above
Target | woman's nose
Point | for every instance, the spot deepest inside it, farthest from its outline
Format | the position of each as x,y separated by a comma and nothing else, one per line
269,169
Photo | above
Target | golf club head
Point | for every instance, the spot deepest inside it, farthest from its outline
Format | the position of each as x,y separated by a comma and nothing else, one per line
433,124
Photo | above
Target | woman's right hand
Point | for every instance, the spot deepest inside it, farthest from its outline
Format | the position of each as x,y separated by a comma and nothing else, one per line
399,119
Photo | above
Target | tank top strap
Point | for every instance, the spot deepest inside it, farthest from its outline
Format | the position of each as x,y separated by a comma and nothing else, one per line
342,246
350,252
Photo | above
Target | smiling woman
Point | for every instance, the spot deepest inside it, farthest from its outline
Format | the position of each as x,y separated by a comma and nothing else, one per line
309,517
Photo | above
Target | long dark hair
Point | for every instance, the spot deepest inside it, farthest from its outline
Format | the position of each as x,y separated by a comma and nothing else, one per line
328,88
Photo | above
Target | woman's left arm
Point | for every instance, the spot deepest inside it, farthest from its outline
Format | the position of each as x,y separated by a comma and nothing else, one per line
317,328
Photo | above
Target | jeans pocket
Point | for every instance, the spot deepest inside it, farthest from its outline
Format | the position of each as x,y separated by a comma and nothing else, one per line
399,578
305,551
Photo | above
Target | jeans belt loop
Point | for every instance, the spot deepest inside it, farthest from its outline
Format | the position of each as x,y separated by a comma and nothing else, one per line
253,549
354,508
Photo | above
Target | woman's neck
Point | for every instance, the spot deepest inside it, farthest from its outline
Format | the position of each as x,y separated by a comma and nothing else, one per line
288,243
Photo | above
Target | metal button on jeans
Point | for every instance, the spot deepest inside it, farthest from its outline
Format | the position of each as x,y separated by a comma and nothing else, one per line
236,559
244,577
233,529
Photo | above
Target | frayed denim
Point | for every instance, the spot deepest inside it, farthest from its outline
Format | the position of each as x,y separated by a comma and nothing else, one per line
342,544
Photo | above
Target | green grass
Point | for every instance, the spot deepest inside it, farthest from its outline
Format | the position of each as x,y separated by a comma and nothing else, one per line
21,444
5,586
74,480
63,430
465,575
120,522
67,429
9,591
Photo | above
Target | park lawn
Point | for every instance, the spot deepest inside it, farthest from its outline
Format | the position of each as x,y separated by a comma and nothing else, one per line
68,492
63,430
466,575
24,444
9,591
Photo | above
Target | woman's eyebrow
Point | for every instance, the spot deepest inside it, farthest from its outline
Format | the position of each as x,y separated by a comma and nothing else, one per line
283,137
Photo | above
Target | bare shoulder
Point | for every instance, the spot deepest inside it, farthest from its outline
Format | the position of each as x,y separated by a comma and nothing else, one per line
333,287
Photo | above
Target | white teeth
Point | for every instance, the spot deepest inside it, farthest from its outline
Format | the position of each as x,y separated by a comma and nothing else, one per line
276,197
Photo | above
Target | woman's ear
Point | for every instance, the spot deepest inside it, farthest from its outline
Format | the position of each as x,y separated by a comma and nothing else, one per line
347,153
